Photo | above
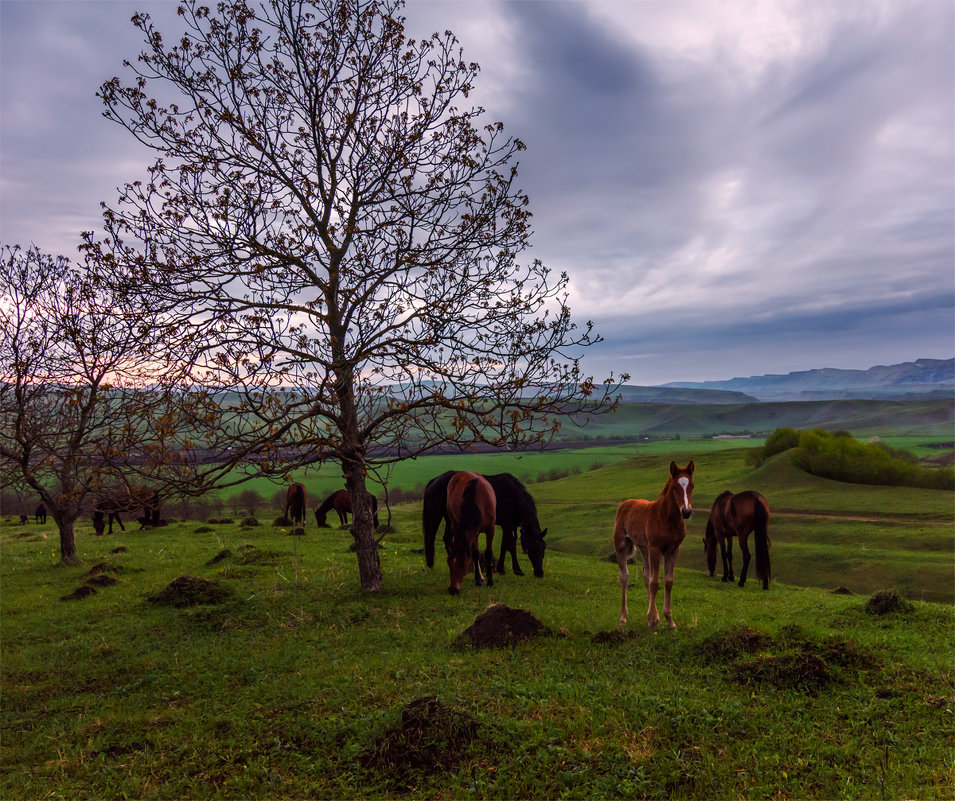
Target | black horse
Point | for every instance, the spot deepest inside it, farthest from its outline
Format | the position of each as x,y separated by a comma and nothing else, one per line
41,513
515,509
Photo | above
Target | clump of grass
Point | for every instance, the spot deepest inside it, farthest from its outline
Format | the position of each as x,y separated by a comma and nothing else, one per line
249,522
886,602
728,644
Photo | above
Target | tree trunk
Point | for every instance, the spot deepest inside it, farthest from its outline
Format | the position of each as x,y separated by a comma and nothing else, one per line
68,553
363,525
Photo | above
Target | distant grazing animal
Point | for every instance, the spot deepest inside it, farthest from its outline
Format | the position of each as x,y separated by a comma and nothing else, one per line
24,519
40,513
738,515
515,509
124,502
340,501
471,508
657,529
295,506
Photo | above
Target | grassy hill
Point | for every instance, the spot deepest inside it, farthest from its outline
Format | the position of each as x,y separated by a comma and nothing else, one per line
295,684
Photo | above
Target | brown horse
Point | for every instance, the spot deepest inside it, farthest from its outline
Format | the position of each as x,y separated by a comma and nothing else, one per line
340,501
657,529
471,508
295,507
124,502
738,515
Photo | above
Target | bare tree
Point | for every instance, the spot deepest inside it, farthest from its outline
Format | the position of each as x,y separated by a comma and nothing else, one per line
336,242
72,370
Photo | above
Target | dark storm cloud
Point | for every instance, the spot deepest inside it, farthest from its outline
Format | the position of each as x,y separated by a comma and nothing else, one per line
727,185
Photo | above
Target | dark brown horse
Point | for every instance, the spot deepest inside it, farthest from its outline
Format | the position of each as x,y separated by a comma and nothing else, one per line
340,501
471,509
41,513
515,510
737,516
657,529
125,502
295,507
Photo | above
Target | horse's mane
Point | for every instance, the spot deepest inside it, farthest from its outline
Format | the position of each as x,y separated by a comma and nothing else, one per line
327,503
471,517
525,501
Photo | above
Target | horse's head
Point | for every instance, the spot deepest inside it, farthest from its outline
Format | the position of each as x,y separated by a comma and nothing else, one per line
459,562
533,544
681,488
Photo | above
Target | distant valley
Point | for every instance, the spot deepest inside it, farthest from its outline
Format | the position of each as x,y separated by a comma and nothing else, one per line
922,379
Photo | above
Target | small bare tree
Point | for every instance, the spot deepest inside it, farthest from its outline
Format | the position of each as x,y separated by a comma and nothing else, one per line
72,371
333,243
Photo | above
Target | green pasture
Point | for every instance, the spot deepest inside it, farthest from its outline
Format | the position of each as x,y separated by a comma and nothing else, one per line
296,684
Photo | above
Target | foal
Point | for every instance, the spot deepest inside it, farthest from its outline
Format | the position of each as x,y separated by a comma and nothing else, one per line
656,528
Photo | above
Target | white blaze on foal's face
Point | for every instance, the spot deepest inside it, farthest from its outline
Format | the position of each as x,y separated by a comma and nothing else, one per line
684,482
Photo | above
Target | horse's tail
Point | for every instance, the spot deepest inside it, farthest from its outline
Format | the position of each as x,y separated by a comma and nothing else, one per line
761,530
374,509
433,510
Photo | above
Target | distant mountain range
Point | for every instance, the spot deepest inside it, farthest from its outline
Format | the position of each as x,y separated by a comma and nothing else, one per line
923,378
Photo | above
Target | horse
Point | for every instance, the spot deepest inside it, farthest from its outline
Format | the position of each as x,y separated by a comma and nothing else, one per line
125,502
515,508
40,513
340,501
738,515
471,508
295,506
657,529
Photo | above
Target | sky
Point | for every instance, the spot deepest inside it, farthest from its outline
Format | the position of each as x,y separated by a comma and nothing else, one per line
734,188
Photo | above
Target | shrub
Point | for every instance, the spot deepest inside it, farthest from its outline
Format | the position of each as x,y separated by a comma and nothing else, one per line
782,439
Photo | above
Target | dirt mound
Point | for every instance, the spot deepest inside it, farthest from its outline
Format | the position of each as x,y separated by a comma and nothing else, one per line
225,553
83,591
500,626
730,643
119,549
840,591
102,567
801,670
101,580
191,591
430,738
885,602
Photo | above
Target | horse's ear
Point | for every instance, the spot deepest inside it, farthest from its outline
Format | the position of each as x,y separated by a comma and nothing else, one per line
690,467
674,469
544,533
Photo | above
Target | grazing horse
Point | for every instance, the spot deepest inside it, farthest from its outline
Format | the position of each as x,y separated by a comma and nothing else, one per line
340,501
471,508
40,514
657,529
738,515
125,502
295,506
515,509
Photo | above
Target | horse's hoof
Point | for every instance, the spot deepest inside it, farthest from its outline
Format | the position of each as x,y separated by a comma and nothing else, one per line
518,572
724,579
454,591
742,583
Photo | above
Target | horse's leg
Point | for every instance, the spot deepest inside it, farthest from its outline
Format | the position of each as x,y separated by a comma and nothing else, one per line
669,564
651,575
514,563
506,536
744,548
622,557
489,555
728,560
476,558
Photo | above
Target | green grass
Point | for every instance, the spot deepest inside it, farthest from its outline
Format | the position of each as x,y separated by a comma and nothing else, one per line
287,690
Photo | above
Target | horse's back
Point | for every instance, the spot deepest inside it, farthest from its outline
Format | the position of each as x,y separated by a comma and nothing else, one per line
484,496
631,521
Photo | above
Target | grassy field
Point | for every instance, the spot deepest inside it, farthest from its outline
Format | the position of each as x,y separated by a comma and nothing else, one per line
295,684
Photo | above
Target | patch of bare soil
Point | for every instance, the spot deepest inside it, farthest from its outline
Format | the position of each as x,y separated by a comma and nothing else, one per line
886,602
101,580
191,591
430,738
499,626
102,567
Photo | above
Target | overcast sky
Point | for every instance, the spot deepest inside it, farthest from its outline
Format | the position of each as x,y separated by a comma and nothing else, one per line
735,188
